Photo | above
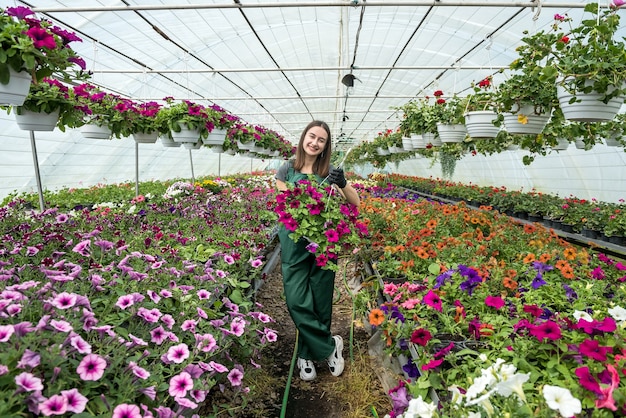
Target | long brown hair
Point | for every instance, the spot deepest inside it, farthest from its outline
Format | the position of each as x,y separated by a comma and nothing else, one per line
321,166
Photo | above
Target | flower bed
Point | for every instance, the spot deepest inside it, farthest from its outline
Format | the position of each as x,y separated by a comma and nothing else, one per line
496,317
133,307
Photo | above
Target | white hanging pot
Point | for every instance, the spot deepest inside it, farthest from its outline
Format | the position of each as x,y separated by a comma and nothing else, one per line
218,149
407,144
432,139
451,133
579,143
94,131
146,138
168,142
479,124
418,141
534,125
588,107
216,137
186,135
612,141
14,93
27,120
562,144
245,145
382,151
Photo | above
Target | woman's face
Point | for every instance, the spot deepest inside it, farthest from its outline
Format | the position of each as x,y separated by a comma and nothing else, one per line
315,141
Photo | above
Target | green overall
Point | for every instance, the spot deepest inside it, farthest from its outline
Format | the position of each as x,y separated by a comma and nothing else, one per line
308,292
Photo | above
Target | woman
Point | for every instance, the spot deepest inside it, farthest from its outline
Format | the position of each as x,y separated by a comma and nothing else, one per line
309,288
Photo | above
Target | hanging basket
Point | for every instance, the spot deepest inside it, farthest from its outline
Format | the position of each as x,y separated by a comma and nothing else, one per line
562,144
432,139
216,137
418,141
479,124
612,141
534,125
588,107
28,120
382,151
145,138
186,135
451,133
94,131
245,146
218,149
168,142
14,93
407,144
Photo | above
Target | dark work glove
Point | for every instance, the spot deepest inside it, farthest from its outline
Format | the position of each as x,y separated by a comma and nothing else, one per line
337,177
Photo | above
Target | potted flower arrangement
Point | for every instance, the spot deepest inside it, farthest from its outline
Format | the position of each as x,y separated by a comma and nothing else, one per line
186,121
315,212
480,110
31,50
218,124
105,114
587,63
450,117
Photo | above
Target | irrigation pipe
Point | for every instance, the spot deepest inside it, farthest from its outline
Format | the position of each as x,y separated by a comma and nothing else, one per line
283,409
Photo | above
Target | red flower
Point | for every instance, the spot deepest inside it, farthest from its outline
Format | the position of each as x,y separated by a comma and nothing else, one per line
438,93
485,83
421,336
441,101
564,39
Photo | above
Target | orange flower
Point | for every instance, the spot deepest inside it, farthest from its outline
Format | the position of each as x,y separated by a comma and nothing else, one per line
529,258
529,229
545,257
376,317
509,283
421,253
567,272
431,224
569,253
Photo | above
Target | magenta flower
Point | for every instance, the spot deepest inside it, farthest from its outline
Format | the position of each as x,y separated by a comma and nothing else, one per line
432,364
82,346
41,38
180,384
61,326
26,382
548,329
64,300
159,335
228,259
235,376
76,402
185,403
203,294
55,405
178,354
494,301
125,301
238,326
331,235
5,332
256,263
205,342
433,300
91,367
126,411
150,392
586,380
83,248
29,359
593,349
421,336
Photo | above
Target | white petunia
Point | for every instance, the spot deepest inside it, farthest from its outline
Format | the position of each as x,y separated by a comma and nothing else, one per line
583,315
561,399
618,313
513,384
420,408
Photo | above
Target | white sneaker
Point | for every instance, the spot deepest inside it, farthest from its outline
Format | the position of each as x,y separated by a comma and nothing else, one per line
335,361
307,369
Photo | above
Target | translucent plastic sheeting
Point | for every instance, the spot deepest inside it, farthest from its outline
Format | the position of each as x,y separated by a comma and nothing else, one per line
66,159
599,173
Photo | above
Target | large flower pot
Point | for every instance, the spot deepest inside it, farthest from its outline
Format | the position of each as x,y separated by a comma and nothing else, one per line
588,107
533,126
432,139
186,135
418,141
407,144
15,91
451,133
94,131
168,142
28,120
145,138
479,124
216,137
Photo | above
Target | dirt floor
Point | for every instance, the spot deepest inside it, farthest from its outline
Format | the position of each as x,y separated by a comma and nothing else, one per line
327,396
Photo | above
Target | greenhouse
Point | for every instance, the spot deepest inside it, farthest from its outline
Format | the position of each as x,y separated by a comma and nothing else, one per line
342,208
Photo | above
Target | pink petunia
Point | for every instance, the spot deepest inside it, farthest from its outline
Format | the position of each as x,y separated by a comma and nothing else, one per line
125,301
432,364
28,383
126,411
82,248
178,353
203,294
55,405
91,367
586,380
159,335
82,346
433,300
494,301
606,400
76,402
180,384
235,376
64,300
5,332
185,403
238,326
548,329
61,326
29,359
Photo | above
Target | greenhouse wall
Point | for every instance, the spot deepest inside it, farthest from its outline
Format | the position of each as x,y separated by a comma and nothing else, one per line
599,173
67,159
